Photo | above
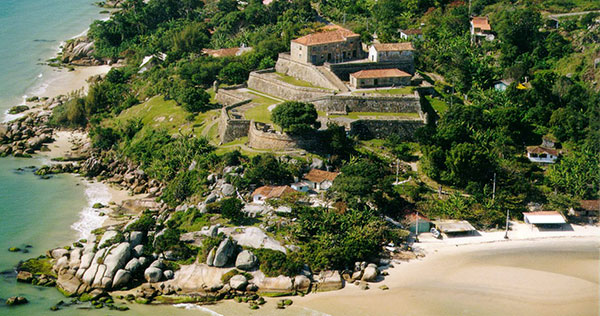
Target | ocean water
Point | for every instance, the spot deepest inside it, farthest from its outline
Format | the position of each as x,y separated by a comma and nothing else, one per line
31,32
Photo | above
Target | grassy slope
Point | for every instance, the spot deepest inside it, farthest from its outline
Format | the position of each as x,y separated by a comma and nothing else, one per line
296,82
260,113
159,113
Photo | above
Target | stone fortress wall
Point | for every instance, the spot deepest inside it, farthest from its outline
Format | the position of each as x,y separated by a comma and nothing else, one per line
265,81
307,72
231,126
368,129
262,136
369,103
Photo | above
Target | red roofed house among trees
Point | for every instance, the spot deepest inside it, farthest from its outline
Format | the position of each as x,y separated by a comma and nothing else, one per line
320,179
332,44
480,28
260,195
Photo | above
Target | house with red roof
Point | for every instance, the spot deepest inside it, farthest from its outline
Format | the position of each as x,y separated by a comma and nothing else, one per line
331,43
320,179
267,192
481,29
379,78
541,154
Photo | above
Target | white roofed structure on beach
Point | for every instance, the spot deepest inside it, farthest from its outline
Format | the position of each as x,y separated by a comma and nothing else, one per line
454,226
544,218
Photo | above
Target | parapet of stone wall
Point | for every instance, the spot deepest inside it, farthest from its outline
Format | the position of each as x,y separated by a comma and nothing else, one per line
343,70
264,82
231,129
410,103
302,71
369,129
229,97
261,136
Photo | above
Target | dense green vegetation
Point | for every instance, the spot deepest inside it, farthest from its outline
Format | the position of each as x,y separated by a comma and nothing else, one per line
153,119
295,118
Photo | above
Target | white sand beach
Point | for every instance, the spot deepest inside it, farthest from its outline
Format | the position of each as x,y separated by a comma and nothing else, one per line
550,275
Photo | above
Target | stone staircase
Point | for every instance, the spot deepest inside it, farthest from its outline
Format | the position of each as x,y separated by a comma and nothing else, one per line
333,78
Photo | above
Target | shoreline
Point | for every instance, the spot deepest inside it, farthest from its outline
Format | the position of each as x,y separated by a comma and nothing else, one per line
456,272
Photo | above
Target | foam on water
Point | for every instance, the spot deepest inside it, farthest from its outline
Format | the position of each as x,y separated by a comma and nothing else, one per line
188,306
89,218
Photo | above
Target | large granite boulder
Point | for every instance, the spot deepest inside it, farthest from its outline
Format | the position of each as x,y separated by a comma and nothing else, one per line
90,273
108,235
133,265
211,257
277,285
238,282
136,238
59,252
246,260
370,273
116,259
224,252
228,189
68,283
302,283
138,251
329,281
153,274
122,277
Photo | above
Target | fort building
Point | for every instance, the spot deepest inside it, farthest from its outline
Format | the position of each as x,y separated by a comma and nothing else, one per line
332,44
379,78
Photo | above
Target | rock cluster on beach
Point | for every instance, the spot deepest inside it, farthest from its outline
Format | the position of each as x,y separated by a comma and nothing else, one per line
24,136
80,52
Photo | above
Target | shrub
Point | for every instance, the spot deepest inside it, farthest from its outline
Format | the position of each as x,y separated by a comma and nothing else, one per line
231,208
274,263
230,274
145,223
181,187
295,117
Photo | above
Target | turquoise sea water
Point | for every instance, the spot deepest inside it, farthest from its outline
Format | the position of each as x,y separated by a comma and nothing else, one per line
30,33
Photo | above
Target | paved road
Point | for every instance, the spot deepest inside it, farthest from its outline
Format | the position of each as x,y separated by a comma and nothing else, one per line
562,15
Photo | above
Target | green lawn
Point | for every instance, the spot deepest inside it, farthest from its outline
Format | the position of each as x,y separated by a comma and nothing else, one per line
438,105
357,115
295,81
159,113
260,112
395,91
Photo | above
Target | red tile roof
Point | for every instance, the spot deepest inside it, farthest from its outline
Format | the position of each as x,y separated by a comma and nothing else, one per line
318,176
482,23
380,73
327,34
270,192
590,205
542,150
226,52
393,47
412,31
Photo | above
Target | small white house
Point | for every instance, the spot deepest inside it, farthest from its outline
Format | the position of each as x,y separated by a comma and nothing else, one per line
260,195
541,154
320,179
544,219
300,186
391,52
409,34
